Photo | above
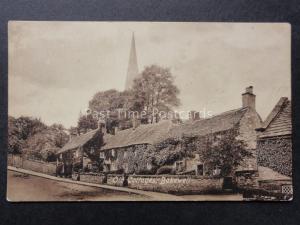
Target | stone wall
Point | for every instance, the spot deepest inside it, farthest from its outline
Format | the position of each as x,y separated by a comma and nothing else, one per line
34,165
175,184
116,180
95,178
39,166
246,180
14,160
274,186
276,153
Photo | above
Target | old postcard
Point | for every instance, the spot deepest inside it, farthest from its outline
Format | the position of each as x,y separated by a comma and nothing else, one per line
149,111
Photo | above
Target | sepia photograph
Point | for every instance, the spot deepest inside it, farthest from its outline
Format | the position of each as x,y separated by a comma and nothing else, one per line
149,111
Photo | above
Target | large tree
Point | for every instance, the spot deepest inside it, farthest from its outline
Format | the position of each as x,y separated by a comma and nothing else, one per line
226,152
110,100
154,90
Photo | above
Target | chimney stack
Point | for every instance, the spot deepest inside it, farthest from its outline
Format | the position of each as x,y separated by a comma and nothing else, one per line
248,98
135,123
194,115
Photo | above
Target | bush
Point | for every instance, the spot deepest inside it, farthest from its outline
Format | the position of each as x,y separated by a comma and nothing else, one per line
165,170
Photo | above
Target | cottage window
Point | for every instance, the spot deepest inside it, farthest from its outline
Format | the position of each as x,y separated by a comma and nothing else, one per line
216,171
179,166
102,155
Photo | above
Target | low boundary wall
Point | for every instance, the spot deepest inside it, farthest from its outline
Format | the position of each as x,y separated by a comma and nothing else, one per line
177,184
116,180
29,164
96,178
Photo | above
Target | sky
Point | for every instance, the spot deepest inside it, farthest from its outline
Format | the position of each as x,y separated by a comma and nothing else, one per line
55,68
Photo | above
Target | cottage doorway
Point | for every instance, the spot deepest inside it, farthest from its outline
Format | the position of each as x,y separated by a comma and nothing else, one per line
227,183
200,169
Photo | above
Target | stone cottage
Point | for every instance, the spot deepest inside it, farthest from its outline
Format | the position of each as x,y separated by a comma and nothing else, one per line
76,154
126,150
241,122
180,145
275,139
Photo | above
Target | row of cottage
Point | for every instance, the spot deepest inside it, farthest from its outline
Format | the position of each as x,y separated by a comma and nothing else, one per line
131,151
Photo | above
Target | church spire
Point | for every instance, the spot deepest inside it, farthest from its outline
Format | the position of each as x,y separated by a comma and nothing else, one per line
132,70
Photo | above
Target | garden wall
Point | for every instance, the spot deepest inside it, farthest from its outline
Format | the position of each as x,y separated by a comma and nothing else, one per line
14,160
177,184
246,180
34,165
116,180
39,166
275,185
95,178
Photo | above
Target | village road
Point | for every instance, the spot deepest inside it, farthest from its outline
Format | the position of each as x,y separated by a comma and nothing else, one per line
24,187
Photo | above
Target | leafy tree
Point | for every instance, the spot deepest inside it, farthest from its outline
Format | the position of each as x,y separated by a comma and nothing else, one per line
15,143
19,130
73,131
110,100
31,136
60,137
28,126
109,103
86,123
226,153
155,90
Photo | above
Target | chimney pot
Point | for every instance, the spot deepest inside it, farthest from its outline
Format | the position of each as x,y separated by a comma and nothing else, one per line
249,89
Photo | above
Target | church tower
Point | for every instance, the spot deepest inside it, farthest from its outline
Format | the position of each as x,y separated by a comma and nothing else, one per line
132,71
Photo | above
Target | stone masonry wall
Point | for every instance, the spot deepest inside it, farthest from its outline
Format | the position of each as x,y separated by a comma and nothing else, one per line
276,153
175,184
34,165
95,178
116,180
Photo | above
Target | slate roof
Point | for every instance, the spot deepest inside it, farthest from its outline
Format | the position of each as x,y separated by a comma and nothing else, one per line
218,123
143,134
79,141
279,121
155,133
266,173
